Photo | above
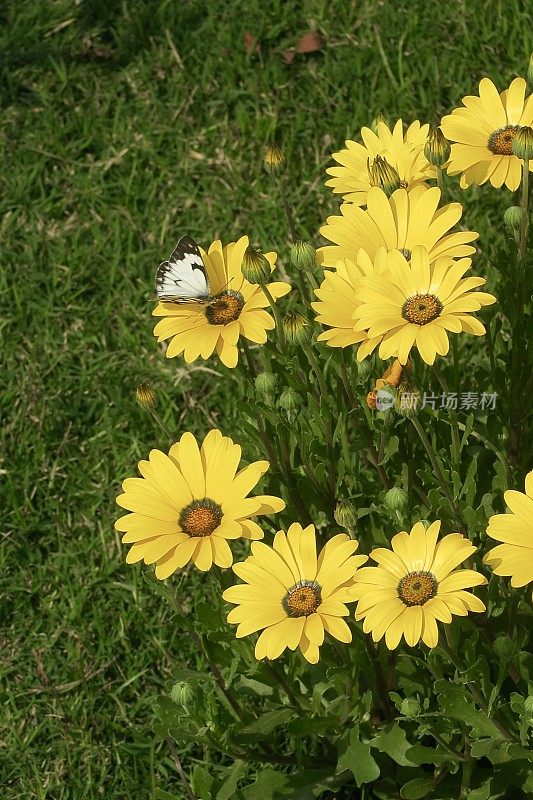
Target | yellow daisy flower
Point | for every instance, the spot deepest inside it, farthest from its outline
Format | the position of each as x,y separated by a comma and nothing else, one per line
338,300
515,556
416,303
415,585
483,132
190,502
237,309
403,152
399,222
294,595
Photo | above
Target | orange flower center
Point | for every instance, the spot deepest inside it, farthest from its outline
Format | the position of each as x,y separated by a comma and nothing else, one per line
200,518
416,588
421,309
226,307
501,141
302,599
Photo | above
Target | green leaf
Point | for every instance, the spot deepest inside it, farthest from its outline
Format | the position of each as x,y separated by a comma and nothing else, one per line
257,687
419,754
394,742
493,749
160,794
266,723
269,785
202,782
457,703
391,448
358,759
417,788
482,792
229,787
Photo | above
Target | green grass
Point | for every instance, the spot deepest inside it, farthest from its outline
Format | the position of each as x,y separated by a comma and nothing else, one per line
124,126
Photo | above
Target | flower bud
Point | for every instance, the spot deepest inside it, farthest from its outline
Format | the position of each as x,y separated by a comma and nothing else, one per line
146,397
345,515
266,382
407,399
374,125
255,266
383,175
410,707
523,143
296,328
437,148
505,648
396,499
513,217
289,400
182,694
273,158
303,255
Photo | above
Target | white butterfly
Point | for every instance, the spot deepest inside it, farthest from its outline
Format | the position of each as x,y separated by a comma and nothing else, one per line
183,278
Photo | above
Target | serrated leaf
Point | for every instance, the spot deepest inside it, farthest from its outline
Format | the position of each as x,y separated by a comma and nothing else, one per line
202,782
417,788
457,703
267,722
269,785
358,759
393,741
233,776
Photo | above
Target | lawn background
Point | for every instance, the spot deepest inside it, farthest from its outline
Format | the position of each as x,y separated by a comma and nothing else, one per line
125,125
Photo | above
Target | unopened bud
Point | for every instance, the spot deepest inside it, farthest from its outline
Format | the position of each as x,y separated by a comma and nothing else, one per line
255,267
266,382
374,125
146,397
384,176
345,515
396,499
505,648
289,400
410,707
523,143
437,148
407,399
273,158
296,328
182,694
513,217
303,256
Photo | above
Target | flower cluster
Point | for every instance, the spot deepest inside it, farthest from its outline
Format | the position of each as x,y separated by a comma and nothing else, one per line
395,279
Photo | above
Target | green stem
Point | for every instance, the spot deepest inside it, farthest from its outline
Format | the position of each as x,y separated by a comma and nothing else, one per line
476,694
438,472
515,433
440,181
287,210
280,461
162,425
456,440
279,326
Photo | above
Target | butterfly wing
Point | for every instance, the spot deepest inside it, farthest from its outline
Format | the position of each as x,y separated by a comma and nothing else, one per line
183,278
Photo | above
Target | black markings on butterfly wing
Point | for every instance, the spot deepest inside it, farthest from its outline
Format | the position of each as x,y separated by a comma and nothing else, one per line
183,278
